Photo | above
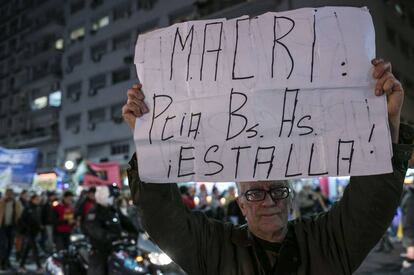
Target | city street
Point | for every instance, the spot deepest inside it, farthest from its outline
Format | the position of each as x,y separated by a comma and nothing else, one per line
377,263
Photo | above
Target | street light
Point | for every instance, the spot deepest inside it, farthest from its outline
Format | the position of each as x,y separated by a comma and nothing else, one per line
69,165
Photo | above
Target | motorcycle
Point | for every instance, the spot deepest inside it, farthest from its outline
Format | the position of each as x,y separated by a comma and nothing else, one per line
74,260
128,257
156,260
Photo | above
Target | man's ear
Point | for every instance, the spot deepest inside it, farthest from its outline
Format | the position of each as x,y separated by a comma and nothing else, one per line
242,205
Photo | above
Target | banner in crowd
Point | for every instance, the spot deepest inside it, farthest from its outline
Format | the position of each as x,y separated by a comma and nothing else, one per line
45,181
17,166
104,173
277,96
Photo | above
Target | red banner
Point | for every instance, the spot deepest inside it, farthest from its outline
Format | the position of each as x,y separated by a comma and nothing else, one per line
102,174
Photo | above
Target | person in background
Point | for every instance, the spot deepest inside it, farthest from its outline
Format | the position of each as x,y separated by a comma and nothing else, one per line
49,218
10,212
322,203
24,198
30,224
185,196
103,225
65,221
407,209
306,201
233,212
85,203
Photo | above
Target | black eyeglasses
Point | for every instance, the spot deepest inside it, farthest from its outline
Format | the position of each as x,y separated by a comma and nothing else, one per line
276,193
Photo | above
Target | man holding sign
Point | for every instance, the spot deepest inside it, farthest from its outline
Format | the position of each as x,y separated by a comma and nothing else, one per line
333,243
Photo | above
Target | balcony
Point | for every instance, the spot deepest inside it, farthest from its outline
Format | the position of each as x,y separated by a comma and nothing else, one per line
53,70
206,7
38,135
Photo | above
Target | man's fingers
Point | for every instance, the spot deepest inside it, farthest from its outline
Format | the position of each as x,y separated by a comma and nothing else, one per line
389,84
376,61
136,94
143,107
381,68
138,107
128,116
137,86
379,87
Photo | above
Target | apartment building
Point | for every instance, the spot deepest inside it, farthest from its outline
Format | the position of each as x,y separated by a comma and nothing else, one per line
65,66
30,51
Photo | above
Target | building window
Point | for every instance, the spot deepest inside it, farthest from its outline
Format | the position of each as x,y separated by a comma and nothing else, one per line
116,113
74,90
120,148
121,41
184,14
76,6
55,99
51,159
95,83
96,116
150,26
145,4
39,103
77,34
59,44
122,12
75,59
98,50
72,122
100,23
120,75
96,3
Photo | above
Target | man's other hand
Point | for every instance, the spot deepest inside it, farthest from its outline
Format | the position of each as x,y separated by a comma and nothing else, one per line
135,106
388,84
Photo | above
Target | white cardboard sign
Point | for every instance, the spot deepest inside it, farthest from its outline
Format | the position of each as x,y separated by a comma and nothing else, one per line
277,96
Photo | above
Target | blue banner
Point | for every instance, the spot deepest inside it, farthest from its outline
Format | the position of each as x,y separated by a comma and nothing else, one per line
17,166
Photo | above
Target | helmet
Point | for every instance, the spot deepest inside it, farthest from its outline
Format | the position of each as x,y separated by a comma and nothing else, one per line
106,194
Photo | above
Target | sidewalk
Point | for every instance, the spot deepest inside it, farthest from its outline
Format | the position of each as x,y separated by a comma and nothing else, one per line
382,263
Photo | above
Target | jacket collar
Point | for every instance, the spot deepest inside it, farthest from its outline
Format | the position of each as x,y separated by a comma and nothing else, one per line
241,236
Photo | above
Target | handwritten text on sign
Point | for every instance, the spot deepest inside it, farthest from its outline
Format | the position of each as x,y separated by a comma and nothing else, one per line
281,95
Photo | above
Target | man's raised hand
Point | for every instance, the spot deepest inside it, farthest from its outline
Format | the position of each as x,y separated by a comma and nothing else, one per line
388,84
135,106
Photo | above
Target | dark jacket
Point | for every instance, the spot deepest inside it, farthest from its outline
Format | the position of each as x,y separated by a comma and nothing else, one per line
407,207
103,225
49,214
335,242
30,222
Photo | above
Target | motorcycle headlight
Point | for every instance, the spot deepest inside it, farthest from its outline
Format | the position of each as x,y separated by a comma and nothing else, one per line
76,237
159,258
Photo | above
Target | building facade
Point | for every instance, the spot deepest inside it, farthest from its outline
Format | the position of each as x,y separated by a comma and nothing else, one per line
31,49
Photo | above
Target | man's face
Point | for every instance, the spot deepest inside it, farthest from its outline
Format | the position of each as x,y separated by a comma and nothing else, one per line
68,200
91,196
9,195
36,200
266,217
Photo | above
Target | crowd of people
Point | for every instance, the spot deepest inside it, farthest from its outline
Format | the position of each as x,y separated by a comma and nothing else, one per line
218,205
42,224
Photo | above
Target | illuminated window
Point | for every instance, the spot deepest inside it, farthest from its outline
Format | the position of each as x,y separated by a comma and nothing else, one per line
100,23
55,99
39,103
59,44
77,33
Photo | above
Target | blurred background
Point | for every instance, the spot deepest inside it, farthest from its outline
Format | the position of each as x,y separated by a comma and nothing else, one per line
65,67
